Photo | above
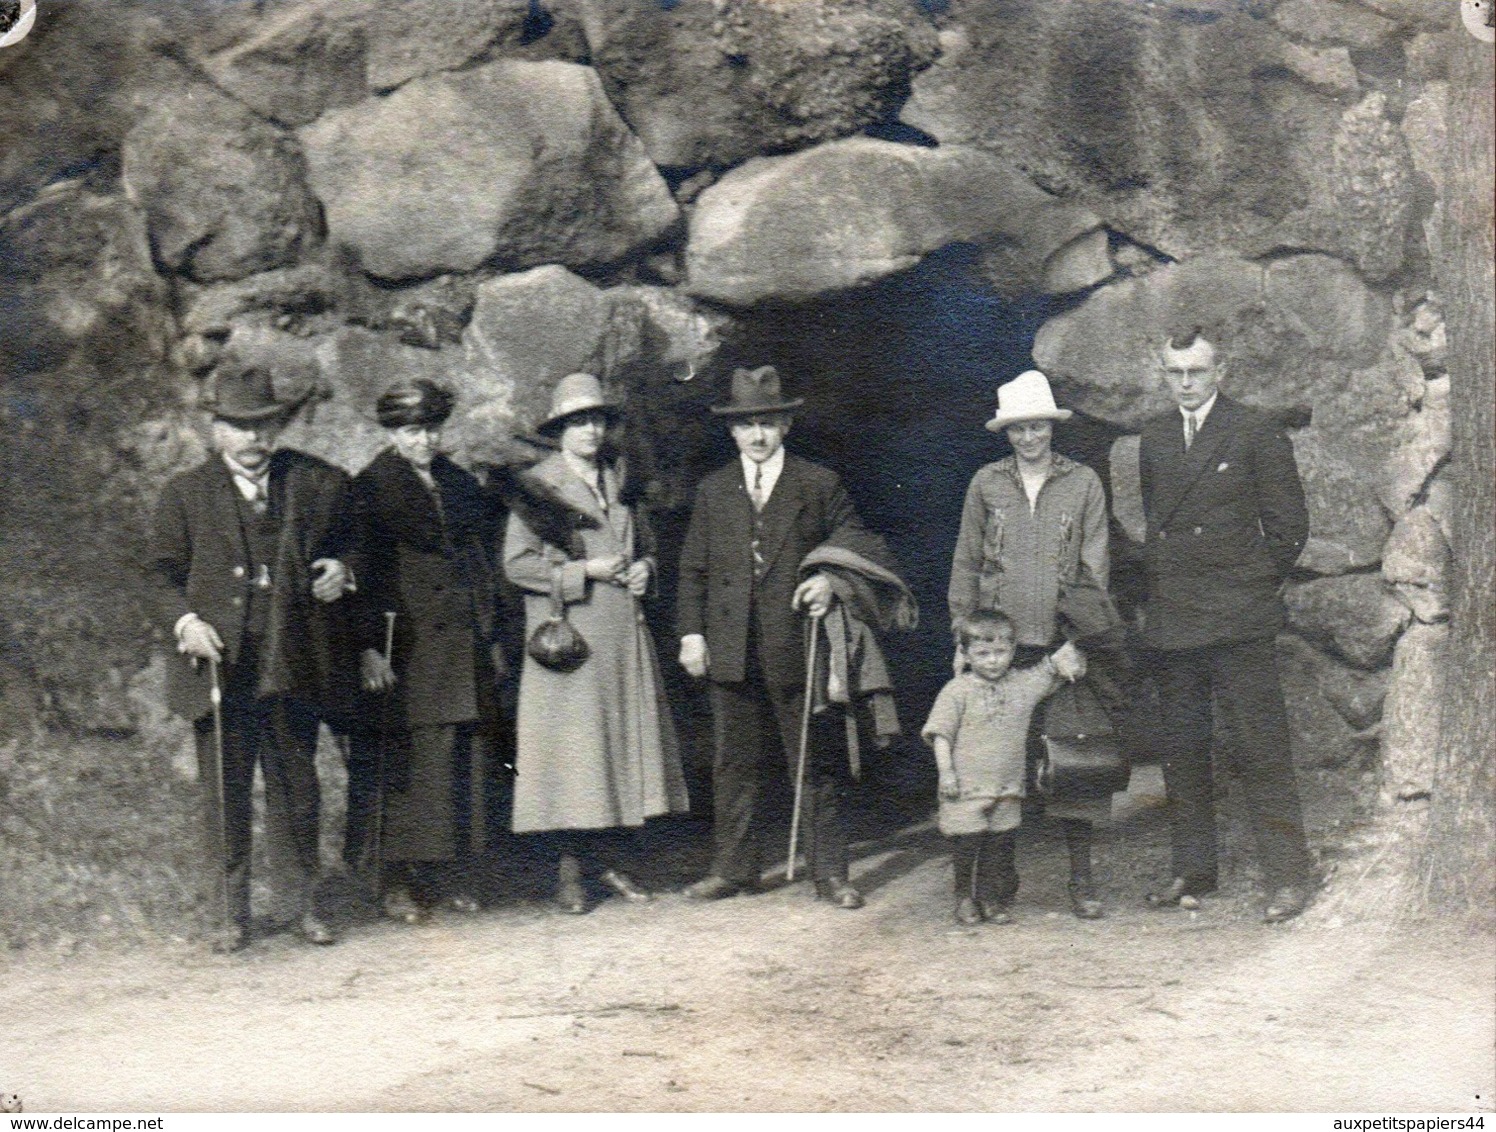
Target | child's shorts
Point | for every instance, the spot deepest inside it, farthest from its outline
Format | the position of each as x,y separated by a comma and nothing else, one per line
979,815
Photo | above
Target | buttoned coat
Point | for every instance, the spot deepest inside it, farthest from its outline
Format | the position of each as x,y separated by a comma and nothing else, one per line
433,567
198,561
1226,523
715,592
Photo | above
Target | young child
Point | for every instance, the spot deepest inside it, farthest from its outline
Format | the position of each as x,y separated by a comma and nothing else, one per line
978,729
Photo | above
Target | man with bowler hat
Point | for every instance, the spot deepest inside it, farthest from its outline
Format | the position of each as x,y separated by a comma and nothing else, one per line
248,557
1226,523
741,605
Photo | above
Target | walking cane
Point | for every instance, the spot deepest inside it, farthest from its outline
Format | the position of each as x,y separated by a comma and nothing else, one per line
813,627
215,697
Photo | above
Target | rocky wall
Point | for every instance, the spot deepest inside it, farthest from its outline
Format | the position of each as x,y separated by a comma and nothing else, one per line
499,192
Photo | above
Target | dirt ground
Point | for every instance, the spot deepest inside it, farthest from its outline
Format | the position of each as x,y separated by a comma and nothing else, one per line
778,1002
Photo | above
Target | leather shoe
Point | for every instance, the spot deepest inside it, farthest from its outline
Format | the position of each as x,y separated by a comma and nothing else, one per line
625,887
316,930
1084,901
840,893
399,905
967,912
1285,903
1179,894
462,902
995,913
713,888
228,940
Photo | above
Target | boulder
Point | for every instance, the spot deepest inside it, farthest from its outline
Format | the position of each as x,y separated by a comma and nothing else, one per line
1324,304
410,38
710,84
852,211
1333,22
1082,263
1416,564
1190,135
1347,526
1425,129
1355,616
1420,444
1127,488
517,162
1410,718
1320,735
307,289
224,193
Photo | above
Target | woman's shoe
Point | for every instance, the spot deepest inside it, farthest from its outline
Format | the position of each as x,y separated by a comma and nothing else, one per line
1084,901
399,905
625,887
967,912
570,897
995,913
462,902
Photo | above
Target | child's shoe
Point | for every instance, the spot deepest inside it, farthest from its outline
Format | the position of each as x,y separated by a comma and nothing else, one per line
995,913
967,912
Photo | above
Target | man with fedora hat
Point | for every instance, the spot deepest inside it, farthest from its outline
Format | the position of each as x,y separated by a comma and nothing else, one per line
247,557
741,597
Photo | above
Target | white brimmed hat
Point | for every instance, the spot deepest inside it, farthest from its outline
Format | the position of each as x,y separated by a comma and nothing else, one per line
576,393
1026,398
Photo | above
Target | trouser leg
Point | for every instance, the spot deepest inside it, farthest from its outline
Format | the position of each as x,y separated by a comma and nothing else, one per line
1252,709
1184,684
227,807
287,749
740,716
820,807
364,789
1078,842
964,850
997,870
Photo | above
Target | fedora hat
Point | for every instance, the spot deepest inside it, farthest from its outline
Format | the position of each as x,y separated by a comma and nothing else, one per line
1026,398
576,393
756,391
240,392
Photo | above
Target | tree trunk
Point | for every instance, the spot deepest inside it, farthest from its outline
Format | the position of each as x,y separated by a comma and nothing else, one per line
1461,844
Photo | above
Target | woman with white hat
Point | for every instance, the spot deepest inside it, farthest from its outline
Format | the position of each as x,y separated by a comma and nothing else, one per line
596,749
1031,521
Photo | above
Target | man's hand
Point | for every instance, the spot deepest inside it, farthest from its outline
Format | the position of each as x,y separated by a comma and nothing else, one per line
950,785
1069,662
200,640
375,672
636,578
813,595
693,655
607,569
332,581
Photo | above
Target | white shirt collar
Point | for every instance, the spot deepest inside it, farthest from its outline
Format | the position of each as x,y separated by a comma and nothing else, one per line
251,486
1202,412
771,469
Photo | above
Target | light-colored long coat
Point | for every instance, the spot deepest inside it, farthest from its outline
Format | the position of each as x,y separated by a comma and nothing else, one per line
596,748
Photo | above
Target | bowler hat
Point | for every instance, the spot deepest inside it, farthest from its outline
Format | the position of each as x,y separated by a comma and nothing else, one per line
240,392
756,391
576,393
1026,398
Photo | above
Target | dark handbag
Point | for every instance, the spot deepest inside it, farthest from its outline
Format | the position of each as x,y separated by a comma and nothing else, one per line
1082,759
556,644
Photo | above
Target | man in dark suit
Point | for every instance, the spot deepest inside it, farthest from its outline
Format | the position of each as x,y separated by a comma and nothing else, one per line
1226,522
247,558
740,603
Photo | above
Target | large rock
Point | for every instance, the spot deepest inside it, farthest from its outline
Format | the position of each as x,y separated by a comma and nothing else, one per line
410,38
306,289
1416,564
521,163
1355,616
1347,526
1421,443
224,193
1188,134
1333,21
1127,488
852,211
1320,734
1322,302
709,84
1425,128
1410,731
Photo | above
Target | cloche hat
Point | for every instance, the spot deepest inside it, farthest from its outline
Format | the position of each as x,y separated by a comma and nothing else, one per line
576,393
1026,398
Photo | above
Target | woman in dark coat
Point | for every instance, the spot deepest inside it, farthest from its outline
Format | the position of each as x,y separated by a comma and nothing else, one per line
431,658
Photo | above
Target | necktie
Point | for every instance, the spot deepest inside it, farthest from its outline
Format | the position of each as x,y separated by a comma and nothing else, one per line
758,487
1189,430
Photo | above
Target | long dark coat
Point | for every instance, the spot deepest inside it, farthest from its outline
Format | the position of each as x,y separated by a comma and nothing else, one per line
1226,522
198,562
807,508
433,567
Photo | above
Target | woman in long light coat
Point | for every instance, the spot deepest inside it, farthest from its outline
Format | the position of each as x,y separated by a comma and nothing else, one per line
596,749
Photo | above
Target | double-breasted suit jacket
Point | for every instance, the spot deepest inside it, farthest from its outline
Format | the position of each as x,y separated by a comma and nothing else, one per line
716,595
199,561
1226,522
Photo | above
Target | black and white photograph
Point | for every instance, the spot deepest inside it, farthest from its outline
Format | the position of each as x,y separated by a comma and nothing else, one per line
746,556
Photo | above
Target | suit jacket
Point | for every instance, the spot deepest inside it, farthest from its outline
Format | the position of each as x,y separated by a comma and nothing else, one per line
198,561
1226,522
434,569
716,589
